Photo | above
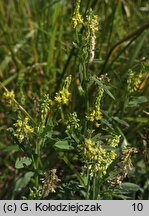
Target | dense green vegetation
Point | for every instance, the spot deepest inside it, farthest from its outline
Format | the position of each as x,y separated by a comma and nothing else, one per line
74,104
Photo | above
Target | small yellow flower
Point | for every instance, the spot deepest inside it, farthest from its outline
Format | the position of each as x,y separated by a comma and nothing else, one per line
94,116
63,96
113,154
90,117
102,151
28,129
58,98
65,100
114,141
95,157
98,115
9,96
23,129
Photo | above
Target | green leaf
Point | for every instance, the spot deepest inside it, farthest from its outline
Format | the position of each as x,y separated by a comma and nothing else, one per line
130,186
138,119
23,161
63,145
81,72
97,137
11,131
106,88
121,121
104,121
9,148
75,137
121,196
108,92
47,132
136,50
23,181
137,100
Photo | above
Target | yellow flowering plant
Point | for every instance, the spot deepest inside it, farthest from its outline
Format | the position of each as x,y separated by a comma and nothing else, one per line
77,17
22,129
63,96
134,81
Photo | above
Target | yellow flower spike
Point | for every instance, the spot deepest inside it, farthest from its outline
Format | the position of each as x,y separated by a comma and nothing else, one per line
113,155
63,96
77,18
9,96
134,81
115,141
102,151
91,24
95,155
23,129
98,115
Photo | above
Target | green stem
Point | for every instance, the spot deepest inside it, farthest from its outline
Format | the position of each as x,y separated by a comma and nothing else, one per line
88,184
94,186
37,161
86,96
62,114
